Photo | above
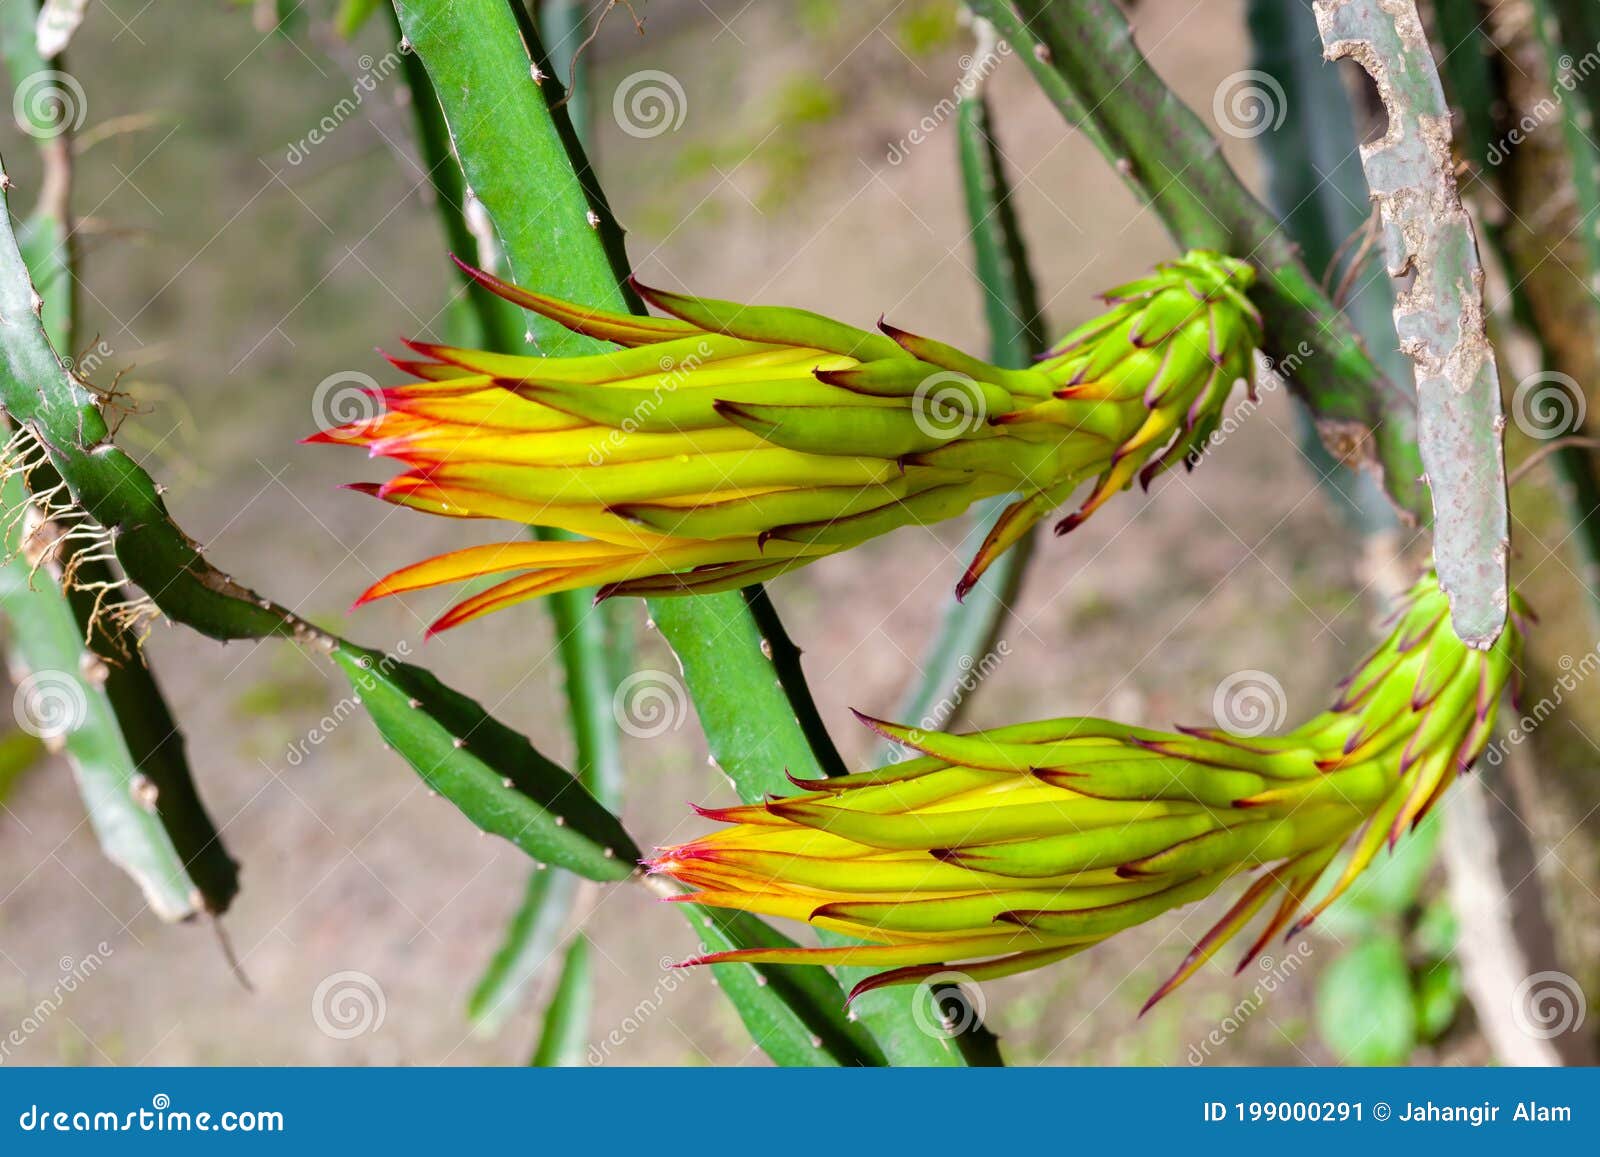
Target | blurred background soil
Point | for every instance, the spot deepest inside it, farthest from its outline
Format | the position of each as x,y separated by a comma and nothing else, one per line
230,282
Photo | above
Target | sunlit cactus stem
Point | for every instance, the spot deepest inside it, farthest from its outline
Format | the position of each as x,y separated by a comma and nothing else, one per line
1004,850
725,444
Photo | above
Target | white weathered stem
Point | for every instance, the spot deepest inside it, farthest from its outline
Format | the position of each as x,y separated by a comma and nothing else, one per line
1506,943
1439,317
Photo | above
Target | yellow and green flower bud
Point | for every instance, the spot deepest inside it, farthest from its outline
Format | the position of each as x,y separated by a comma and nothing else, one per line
726,444
1000,851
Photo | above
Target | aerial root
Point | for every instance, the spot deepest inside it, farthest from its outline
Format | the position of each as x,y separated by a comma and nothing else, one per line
53,532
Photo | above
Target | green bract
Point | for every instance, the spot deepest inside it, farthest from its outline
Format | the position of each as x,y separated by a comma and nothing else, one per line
726,443
1004,850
